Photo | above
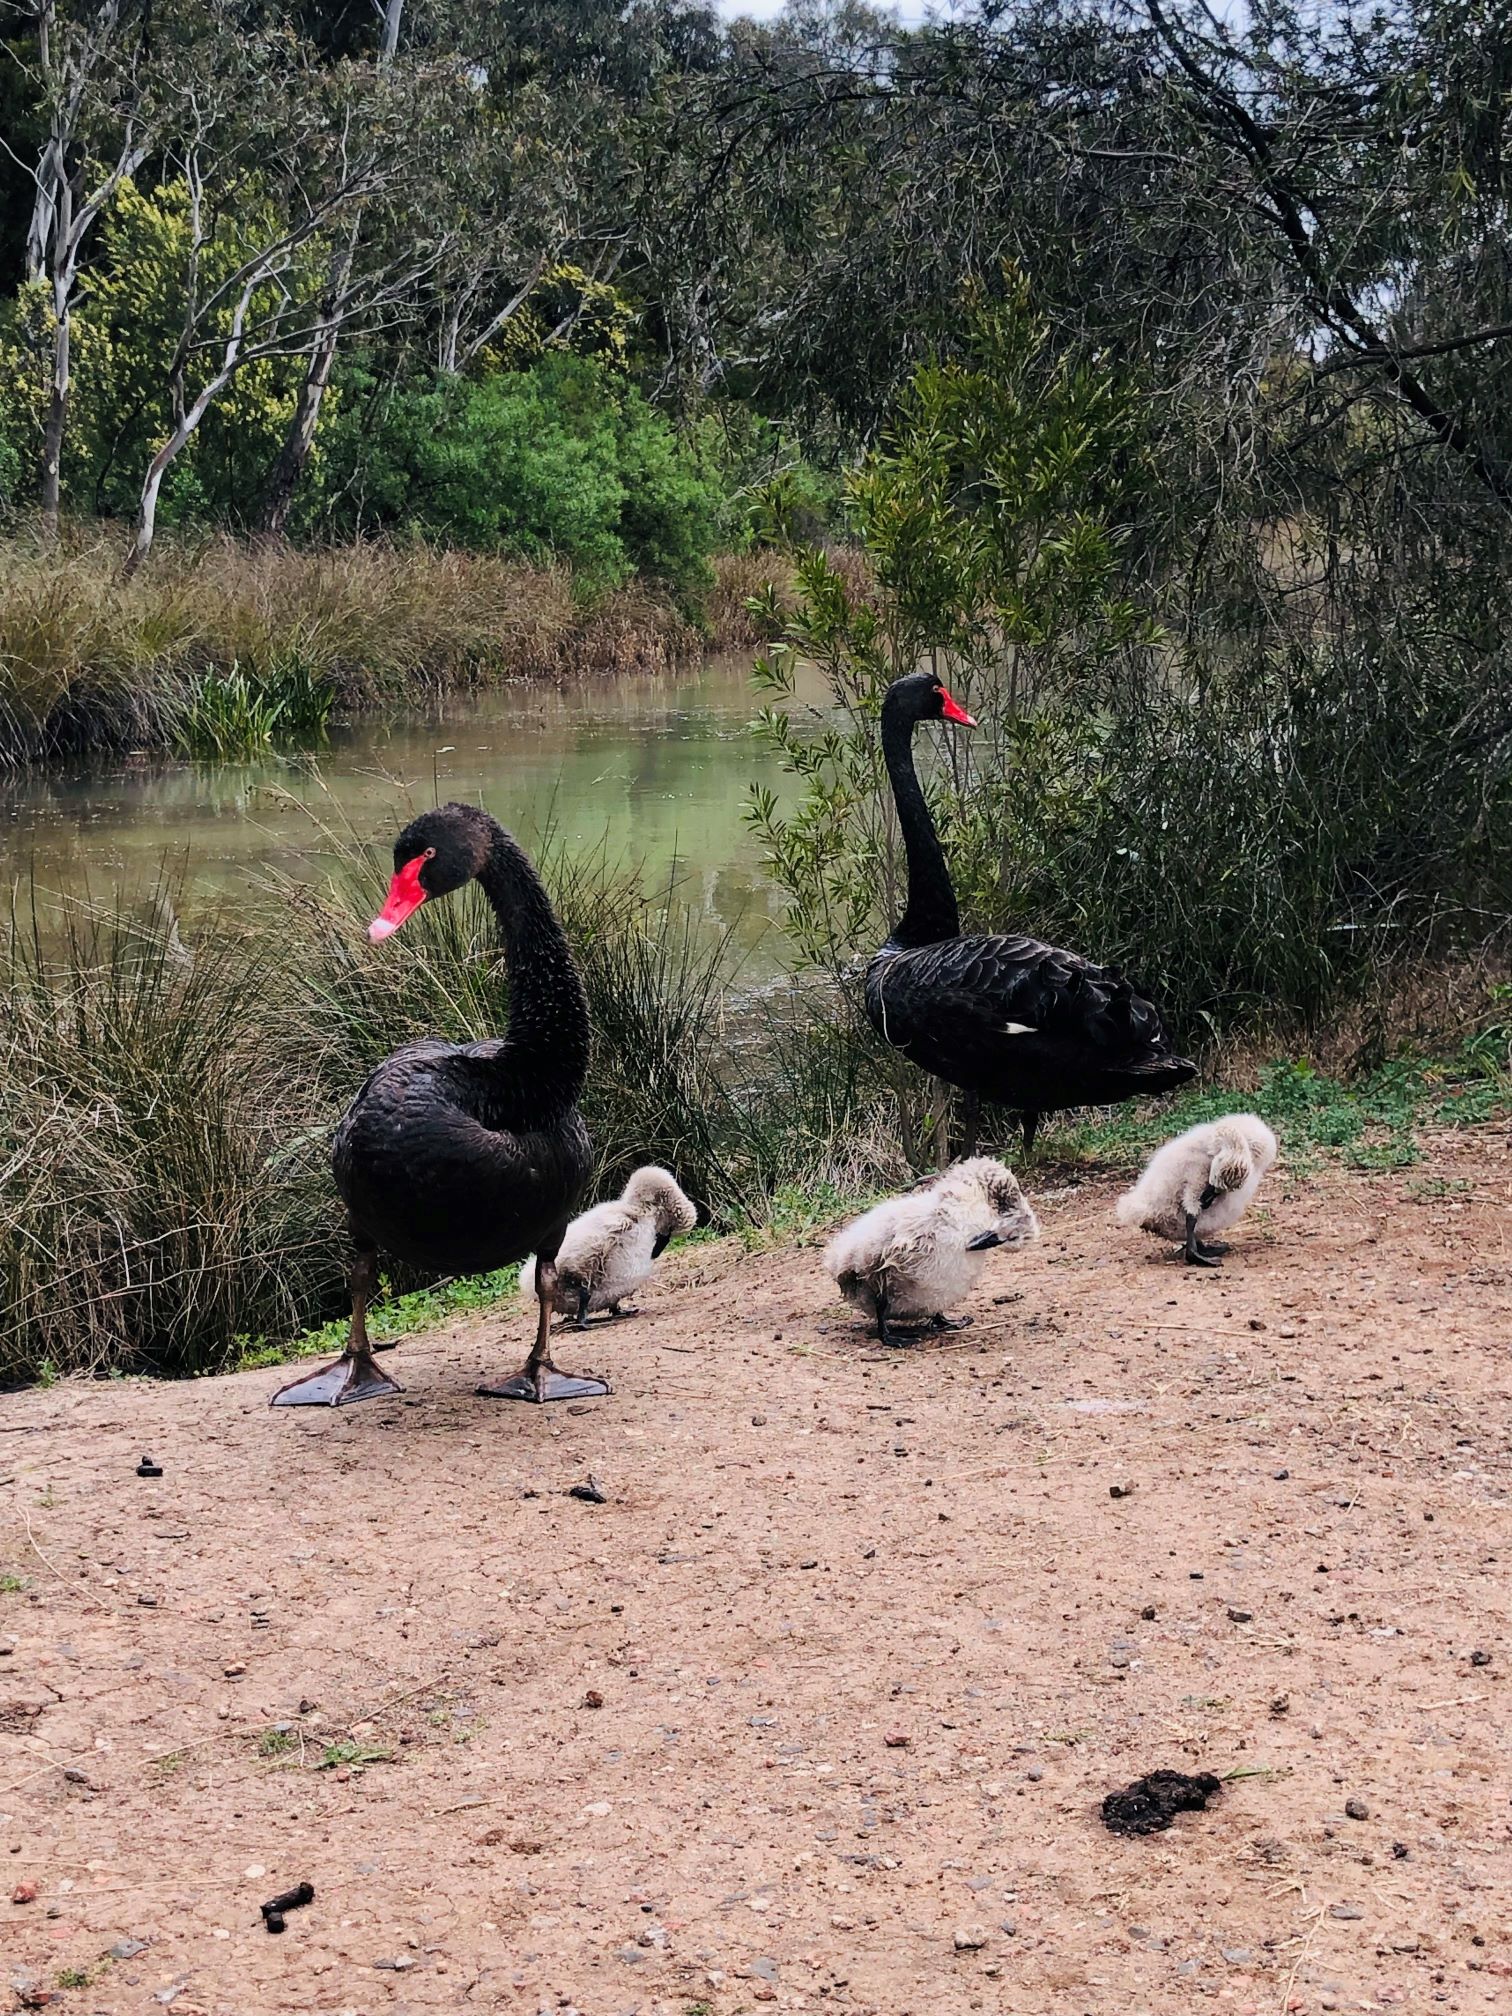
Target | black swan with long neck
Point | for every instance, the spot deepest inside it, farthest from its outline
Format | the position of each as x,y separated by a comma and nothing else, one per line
463,1157
1006,1019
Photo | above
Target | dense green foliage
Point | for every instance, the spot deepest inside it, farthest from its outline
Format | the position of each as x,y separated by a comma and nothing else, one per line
561,460
1264,825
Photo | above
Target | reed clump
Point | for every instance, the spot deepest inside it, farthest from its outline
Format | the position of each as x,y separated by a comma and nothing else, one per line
89,662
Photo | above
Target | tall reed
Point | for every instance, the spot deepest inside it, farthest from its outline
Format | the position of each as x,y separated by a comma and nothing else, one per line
91,662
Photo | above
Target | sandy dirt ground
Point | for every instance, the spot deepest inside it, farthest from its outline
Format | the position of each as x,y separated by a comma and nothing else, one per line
817,1711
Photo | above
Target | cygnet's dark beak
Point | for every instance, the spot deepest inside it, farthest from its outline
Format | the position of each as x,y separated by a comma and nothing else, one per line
982,1241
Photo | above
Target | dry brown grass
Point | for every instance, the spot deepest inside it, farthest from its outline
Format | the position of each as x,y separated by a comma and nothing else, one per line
740,576
90,661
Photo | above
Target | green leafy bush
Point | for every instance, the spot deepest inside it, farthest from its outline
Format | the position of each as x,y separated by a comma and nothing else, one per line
563,461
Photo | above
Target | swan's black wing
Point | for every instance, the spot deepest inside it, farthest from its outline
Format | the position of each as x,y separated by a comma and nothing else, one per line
435,1167
1021,1022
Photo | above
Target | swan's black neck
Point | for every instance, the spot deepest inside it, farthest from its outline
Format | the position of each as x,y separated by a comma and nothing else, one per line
546,1049
931,913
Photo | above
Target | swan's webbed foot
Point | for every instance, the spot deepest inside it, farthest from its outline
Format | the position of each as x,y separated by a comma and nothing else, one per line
939,1322
1196,1254
352,1377
544,1382
1214,1248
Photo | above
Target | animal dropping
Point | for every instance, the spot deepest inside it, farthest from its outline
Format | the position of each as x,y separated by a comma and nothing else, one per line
1201,1183
1150,1804
915,1256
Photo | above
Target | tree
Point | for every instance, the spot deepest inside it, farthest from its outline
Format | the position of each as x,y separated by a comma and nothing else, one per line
103,101
275,164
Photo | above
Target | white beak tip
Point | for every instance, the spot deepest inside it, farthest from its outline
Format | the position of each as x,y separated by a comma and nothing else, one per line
379,929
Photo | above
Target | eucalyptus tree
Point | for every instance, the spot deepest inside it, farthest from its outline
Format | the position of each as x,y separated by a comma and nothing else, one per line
103,78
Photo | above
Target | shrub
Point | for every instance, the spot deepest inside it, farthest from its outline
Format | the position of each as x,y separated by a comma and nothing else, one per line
1263,824
565,461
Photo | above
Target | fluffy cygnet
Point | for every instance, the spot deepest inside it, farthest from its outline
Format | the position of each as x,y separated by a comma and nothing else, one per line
1201,1183
919,1254
609,1251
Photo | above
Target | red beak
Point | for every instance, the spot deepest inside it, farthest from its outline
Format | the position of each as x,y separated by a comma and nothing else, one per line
952,710
404,898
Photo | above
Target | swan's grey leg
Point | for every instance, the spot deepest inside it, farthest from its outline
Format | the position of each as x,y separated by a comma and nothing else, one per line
539,1379
1031,1125
1197,1255
354,1375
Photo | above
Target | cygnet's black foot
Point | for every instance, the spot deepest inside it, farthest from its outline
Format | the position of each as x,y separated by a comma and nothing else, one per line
939,1322
1199,1256
544,1383
348,1379
1214,1248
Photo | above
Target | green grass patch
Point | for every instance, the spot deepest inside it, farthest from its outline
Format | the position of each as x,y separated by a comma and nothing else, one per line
12,1585
1371,1122
273,1743
353,1755
392,1317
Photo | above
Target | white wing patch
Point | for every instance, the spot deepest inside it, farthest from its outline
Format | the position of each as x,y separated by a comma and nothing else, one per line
1018,1029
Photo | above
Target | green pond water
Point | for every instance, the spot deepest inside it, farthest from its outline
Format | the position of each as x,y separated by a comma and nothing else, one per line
653,771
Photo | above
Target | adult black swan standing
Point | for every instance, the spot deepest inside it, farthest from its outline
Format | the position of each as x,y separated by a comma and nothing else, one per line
1007,1019
463,1157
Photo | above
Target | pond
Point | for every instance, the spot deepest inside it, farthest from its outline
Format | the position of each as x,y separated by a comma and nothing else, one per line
653,770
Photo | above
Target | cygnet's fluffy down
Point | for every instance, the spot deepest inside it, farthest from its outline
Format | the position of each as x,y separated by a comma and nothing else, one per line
919,1254
1200,1183
609,1251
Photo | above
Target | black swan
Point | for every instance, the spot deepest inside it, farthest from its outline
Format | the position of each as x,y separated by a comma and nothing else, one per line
1007,1019
463,1157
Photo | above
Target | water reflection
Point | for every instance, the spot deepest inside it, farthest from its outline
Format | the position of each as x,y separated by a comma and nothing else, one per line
652,770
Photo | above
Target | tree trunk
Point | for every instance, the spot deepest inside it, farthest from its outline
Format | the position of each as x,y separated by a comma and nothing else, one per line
54,429
288,470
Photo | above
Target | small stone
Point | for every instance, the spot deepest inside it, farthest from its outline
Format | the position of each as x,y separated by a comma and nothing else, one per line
1345,1911
24,1893
1480,1658
593,1698
399,1966
631,1955
1241,1616
126,1949
1280,1475
970,1938
810,1563
235,1670
897,1739
147,1602
1237,1956
1148,1613
1280,1704
1256,1323
1400,1851
758,1420
1120,1490
1357,1809
1034,1774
